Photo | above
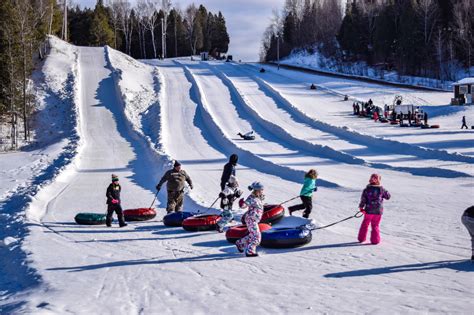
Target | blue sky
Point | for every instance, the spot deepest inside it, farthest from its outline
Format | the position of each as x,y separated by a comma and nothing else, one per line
246,21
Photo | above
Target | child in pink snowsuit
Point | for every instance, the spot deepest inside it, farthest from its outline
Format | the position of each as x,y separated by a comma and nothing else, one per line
371,204
253,216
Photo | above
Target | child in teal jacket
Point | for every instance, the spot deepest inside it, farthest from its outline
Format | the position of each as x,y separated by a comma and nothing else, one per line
306,194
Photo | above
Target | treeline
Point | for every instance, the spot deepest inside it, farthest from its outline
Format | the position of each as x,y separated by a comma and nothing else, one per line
23,27
149,29
431,38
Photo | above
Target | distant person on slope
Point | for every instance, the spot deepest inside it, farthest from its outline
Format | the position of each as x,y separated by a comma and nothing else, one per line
247,136
176,179
306,194
252,218
228,195
113,202
468,221
229,170
464,122
371,204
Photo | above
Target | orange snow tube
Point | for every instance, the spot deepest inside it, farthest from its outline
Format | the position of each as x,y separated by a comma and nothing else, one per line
235,233
205,222
140,214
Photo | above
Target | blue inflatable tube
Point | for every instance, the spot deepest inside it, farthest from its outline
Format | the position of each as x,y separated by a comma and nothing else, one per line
286,237
176,218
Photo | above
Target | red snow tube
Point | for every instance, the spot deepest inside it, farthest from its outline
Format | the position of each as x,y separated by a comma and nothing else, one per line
271,214
140,214
205,222
235,233
434,126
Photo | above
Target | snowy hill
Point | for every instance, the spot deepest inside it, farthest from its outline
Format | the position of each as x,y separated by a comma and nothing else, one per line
134,118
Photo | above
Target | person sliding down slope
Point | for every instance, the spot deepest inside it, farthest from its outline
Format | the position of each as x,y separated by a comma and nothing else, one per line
228,196
371,204
113,202
248,136
253,216
306,194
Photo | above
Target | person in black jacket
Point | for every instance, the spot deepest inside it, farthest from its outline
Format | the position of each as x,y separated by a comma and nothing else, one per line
468,221
113,202
229,169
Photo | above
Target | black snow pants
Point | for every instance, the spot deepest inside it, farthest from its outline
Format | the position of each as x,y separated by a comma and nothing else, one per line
110,212
307,205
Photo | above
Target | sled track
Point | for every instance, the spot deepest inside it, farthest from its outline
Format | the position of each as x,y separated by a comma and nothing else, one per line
320,150
220,137
361,138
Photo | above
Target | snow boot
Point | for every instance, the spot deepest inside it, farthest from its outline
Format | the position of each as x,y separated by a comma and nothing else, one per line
239,247
220,229
123,225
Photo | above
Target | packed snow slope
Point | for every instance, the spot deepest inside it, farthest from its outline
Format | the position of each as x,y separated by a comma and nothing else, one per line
135,118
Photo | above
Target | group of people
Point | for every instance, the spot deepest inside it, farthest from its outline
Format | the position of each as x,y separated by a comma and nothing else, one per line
371,203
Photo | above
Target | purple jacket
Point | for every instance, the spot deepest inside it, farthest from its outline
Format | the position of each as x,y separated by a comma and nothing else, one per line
372,199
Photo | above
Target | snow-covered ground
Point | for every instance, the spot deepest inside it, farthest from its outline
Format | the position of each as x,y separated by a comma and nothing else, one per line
317,61
135,118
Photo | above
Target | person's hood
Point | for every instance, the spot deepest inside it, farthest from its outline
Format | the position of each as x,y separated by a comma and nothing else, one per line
234,158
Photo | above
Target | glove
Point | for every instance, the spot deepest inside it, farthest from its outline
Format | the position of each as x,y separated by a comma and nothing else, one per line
315,189
221,195
158,187
241,203
191,187
115,201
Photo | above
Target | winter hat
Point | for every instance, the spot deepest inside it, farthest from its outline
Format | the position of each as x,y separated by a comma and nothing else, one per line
176,164
233,181
115,178
375,179
256,186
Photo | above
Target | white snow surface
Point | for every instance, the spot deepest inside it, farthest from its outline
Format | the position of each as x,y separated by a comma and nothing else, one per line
135,118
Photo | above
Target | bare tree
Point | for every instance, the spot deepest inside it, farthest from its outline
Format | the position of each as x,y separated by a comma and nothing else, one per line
125,23
142,17
463,11
194,33
150,9
166,8
114,6
428,12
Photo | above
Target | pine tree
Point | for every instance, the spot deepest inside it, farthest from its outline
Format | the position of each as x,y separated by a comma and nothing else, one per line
101,33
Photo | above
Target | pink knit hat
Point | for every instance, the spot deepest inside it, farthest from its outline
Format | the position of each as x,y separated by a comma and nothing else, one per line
375,179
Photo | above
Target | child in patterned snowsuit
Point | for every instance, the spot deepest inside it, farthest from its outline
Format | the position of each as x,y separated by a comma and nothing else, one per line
253,216
371,204
228,196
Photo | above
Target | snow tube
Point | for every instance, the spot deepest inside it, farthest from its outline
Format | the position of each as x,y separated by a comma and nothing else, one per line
394,122
235,233
425,126
90,218
404,125
271,214
140,214
286,237
205,222
383,120
176,218
248,137
418,125
434,126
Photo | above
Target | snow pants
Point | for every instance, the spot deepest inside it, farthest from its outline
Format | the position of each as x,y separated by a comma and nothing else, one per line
110,212
175,201
374,221
252,240
226,217
469,224
307,205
